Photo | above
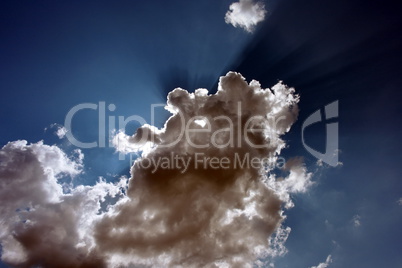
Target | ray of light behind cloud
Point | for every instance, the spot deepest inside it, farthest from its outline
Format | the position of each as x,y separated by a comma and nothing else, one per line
245,14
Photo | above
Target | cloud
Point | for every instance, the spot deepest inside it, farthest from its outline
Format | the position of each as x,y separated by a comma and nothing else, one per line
60,131
141,141
356,220
203,193
194,213
400,201
245,14
297,181
324,264
336,153
40,224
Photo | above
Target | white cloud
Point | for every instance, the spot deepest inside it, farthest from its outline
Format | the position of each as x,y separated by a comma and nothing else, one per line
40,224
245,14
141,141
297,181
356,220
400,201
205,216
324,264
60,131
166,215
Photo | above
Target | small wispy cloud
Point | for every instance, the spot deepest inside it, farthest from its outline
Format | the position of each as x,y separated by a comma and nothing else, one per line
60,131
399,201
356,220
246,14
337,152
324,264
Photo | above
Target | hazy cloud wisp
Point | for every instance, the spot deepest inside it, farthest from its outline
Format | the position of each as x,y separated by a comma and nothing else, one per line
324,264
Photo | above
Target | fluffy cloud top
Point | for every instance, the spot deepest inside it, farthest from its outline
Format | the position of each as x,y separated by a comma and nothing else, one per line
245,14
202,194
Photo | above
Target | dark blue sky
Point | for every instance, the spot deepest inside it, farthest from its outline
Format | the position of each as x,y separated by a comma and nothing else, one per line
348,51
55,55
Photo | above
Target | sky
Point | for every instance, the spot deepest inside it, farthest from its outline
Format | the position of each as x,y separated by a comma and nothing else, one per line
329,74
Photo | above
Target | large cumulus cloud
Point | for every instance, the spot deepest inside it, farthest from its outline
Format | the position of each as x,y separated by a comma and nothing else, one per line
203,214
202,193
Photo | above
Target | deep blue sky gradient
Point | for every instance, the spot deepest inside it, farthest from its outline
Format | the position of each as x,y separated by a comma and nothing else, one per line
55,55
